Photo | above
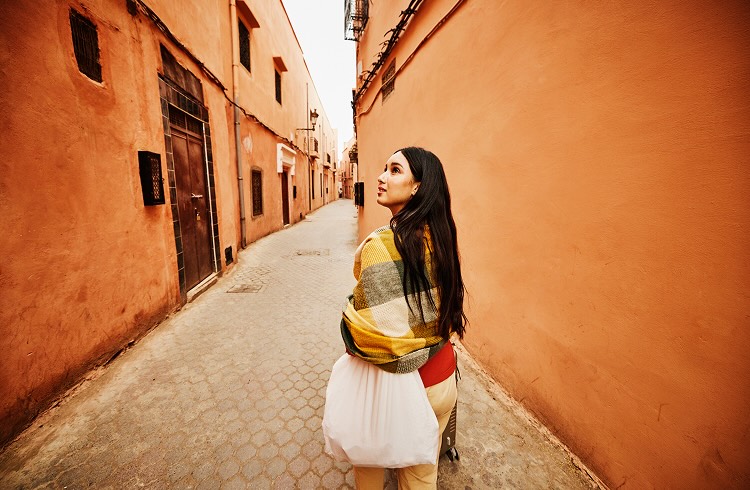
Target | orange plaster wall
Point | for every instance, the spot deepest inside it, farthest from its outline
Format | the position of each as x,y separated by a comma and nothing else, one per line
263,157
89,267
84,269
203,27
275,38
597,161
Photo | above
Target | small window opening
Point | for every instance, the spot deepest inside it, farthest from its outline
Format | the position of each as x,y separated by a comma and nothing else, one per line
257,193
389,80
228,256
278,86
244,35
152,183
85,46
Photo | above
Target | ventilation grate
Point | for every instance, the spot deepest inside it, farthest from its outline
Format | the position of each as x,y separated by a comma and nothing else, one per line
152,182
389,80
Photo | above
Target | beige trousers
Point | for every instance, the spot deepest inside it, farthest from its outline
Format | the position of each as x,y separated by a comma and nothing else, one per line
442,397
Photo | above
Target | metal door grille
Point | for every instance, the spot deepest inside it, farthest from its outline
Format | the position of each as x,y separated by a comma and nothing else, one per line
177,118
85,45
185,122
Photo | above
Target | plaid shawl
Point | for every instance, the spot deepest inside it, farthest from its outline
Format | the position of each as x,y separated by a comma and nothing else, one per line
377,324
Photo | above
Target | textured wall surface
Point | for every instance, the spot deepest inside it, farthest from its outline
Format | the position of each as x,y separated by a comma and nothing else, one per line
597,159
88,267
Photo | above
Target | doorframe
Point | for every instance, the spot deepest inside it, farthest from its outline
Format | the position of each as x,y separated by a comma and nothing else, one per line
286,162
285,175
172,96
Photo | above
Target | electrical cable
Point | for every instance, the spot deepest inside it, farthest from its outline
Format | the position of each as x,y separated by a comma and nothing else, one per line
164,29
411,56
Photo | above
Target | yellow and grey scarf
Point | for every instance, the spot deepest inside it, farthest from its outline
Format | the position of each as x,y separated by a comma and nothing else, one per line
378,325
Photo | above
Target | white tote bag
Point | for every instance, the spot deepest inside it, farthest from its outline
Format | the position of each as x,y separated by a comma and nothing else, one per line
376,418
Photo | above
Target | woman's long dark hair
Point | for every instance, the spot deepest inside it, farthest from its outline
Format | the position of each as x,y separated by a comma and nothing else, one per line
431,206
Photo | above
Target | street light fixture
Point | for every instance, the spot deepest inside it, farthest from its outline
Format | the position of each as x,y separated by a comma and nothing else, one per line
313,120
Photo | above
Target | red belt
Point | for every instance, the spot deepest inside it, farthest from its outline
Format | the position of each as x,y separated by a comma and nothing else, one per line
439,367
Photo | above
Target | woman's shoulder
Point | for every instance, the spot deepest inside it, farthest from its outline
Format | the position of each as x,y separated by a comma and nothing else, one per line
375,244
382,231
382,234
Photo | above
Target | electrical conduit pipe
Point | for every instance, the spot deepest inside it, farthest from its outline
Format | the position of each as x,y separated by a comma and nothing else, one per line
237,139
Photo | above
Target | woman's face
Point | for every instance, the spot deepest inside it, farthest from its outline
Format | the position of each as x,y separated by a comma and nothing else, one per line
396,184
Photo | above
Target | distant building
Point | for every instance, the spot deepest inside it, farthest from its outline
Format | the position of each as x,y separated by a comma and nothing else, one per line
597,156
122,194
349,168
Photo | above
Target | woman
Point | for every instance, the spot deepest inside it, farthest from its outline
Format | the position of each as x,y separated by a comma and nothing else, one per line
408,300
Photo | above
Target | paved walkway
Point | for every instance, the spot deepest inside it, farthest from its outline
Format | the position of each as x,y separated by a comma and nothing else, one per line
229,392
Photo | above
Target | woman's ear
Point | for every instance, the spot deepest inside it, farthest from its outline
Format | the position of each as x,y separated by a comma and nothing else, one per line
416,188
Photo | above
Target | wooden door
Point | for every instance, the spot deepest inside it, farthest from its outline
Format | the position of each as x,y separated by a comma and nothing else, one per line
192,196
285,196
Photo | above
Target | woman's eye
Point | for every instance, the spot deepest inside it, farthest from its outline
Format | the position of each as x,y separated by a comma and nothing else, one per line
395,170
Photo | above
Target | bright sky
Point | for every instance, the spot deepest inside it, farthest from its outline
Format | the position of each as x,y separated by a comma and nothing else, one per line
319,25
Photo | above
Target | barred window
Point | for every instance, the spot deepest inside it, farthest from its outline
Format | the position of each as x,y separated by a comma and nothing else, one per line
278,86
85,45
389,80
244,35
257,193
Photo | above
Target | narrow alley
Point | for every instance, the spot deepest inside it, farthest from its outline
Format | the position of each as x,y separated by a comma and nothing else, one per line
229,392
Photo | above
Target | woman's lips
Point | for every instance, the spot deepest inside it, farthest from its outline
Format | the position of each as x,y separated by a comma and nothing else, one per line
381,190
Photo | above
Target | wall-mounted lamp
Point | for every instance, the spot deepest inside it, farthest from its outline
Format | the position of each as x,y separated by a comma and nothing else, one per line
313,120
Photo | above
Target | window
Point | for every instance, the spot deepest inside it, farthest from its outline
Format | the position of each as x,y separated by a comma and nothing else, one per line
278,86
321,185
86,45
257,192
152,183
244,35
389,80
356,13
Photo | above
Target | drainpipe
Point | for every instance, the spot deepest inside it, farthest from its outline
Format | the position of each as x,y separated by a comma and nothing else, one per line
308,171
235,98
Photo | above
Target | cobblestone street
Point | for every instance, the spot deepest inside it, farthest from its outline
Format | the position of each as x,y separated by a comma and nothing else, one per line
229,392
